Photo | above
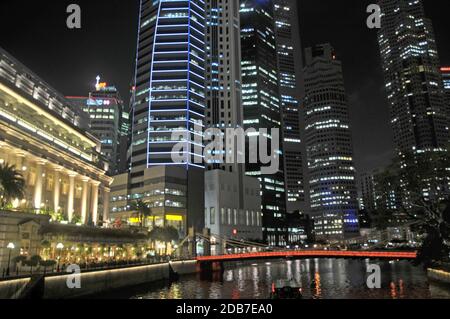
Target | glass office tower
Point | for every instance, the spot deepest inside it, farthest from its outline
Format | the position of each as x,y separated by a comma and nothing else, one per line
168,110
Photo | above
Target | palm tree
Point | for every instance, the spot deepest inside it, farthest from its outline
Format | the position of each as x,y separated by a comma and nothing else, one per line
143,211
12,184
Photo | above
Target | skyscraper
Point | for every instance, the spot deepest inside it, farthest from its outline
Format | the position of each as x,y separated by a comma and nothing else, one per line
291,94
413,80
367,189
168,110
107,119
378,193
232,200
329,146
224,91
261,101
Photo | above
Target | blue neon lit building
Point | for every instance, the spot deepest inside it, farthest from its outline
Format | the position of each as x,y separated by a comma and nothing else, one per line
169,97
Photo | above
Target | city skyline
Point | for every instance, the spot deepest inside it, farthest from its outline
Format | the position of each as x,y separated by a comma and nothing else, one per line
225,149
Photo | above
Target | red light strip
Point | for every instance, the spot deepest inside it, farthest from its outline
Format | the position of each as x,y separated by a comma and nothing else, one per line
76,97
445,69
312,253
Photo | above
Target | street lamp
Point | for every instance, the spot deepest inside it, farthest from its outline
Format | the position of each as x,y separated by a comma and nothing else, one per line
59,247
10,247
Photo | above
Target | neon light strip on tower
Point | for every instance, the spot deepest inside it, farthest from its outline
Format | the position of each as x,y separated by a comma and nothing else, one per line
176,58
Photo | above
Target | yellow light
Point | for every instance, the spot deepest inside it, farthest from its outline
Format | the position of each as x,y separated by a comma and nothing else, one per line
42,112
174,218
15,203
134,220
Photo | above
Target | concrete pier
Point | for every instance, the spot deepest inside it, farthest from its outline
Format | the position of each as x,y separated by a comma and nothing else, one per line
100,281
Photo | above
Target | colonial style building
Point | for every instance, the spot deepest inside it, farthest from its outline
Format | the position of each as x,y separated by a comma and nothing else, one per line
42,136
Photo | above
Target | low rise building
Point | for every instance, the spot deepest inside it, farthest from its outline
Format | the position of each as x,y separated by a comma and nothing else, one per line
29,235
174,195
223,215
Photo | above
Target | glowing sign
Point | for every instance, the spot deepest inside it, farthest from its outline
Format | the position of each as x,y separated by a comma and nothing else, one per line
92,102
445,69
97,84
100,85
174,218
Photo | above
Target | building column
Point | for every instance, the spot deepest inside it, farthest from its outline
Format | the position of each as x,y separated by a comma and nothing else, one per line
94,202
56,190
71,198
84,199
19,161
106,192
5,154
37,198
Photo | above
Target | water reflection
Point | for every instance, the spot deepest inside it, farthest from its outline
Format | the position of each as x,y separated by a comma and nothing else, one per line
320,279
316,283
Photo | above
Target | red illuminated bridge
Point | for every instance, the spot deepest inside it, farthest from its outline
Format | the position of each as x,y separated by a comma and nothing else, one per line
311,254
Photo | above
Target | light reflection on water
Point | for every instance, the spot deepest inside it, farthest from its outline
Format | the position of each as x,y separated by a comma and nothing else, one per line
320,279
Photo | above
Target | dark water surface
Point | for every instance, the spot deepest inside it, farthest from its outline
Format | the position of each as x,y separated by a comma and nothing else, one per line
320,279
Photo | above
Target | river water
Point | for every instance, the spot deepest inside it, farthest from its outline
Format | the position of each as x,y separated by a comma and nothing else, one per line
320,279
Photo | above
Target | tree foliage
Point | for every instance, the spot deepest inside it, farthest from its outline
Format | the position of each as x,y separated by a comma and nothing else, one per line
419,183
142,210
164,234
12,184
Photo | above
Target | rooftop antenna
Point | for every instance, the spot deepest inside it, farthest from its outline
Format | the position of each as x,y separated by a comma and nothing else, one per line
97,85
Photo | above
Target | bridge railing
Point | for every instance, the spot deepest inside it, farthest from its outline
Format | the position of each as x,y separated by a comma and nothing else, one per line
313,254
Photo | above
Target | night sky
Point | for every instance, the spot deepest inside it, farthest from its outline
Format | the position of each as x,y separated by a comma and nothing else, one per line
35,32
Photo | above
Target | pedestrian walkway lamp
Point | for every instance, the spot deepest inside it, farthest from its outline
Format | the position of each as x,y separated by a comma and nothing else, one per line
59,247
10,247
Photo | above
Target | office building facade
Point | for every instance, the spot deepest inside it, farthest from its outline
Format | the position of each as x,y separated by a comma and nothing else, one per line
367,199
291,95
168,111
262,110
413,81
329,146
108,122
232,200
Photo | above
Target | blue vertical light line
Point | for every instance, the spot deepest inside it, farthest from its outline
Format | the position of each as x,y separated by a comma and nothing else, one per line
133,98
188,78
151,83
